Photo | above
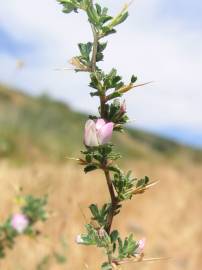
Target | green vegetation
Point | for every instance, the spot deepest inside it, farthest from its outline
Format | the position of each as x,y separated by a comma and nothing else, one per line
40,128
34,127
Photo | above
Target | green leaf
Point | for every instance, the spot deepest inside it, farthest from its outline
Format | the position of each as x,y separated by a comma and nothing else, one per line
107,31
100,215
114,236
85,50
89,158
105,19
122,18
124,185
92,237
101,46
142,182
133,79
99,57
114,168
94,94
104,11
146,180
94,210
93,16
114,95
112,80
127,247
34,208
100,49
106,266
96,78
99,9
90,168
68,6
118,19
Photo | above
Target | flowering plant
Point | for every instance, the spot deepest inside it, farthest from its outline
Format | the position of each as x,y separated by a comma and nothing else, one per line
21,222
99,153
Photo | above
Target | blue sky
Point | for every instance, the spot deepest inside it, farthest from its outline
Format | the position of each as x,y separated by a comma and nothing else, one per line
161,41
188,11
13,47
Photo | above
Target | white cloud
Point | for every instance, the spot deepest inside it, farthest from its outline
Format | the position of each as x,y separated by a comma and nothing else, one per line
165,51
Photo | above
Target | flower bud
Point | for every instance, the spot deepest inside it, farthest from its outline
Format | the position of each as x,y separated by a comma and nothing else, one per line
79,239
97,132
19,222
141,246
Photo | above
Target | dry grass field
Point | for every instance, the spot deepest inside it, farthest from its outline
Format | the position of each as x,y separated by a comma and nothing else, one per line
169,215
36,133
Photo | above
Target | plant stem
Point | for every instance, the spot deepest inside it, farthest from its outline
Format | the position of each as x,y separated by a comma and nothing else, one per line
109,255
102,106
102,114
93,68
95,45
113,201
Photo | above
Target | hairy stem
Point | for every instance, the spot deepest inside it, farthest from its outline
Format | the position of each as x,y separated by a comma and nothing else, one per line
102,106
102,114
109,255
113,201
95,45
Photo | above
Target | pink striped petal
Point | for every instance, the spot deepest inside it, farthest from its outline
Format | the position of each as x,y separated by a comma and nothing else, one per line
90,134
141,246
100,123
105,133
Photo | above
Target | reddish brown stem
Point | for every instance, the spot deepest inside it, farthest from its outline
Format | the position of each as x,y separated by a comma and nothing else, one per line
105,169
113,201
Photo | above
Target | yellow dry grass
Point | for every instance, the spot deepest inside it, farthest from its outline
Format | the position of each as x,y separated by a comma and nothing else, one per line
169,215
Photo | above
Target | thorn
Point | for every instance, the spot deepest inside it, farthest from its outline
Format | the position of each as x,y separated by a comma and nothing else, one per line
130,3
79,160
144,260
152,184
72,158
62,69
129,87
141,190
156,259
142,84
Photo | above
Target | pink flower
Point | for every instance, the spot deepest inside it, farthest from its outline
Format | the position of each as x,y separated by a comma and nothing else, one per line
141,246
19,222
97,132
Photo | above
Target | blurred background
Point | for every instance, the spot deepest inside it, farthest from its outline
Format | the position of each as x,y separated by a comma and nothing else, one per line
43,107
